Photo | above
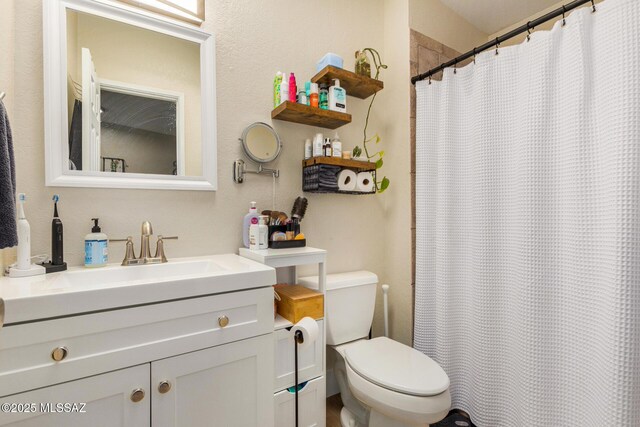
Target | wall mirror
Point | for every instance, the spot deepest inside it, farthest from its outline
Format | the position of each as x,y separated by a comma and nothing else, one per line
261,144
129,99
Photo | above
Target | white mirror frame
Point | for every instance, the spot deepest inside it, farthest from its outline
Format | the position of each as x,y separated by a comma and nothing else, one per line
57,171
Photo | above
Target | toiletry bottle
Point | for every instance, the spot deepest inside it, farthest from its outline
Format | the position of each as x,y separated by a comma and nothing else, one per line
324,97
307,89
318,145
308,149
258,234
57,252
284,89
96,252
313,97
24,236
293,88
336,146
290,230
327,147
302,97
276,89
337,97
249,219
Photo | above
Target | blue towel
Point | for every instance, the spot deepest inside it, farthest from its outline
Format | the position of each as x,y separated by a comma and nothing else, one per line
8,226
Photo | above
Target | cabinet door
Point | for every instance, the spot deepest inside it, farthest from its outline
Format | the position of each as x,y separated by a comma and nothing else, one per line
228,385
311,406
105,400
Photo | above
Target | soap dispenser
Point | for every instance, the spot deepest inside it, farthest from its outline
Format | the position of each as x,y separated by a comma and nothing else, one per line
96,252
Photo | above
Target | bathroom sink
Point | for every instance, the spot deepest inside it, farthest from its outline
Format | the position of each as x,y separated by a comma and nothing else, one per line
84,290
115,274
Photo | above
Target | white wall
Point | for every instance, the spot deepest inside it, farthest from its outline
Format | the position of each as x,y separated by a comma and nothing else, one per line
433,19
253,43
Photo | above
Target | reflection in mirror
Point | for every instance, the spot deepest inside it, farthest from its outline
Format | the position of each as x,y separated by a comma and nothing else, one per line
133,99
261,142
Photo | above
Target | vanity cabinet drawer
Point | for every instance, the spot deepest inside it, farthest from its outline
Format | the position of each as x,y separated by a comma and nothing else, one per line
42,353
310,363
311,406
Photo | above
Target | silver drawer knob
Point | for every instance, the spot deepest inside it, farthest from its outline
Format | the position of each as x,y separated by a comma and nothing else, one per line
164,387
59,353
137,395
223,321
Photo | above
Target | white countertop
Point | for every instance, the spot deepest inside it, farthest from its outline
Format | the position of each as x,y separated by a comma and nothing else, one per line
79,290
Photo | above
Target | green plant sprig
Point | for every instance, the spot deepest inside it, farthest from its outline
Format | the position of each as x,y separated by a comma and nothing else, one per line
382,185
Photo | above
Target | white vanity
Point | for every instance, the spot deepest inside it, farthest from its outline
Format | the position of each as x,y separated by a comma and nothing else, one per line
188,343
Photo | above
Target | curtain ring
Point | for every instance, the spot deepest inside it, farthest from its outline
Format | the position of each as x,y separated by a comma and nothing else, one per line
474,55
497,45
564,10
528,30
593,6
429,78
455,67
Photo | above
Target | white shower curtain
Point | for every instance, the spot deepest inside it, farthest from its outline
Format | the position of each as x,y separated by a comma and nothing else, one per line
528,226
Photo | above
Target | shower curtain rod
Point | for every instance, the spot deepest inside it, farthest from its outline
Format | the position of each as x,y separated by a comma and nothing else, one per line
561,11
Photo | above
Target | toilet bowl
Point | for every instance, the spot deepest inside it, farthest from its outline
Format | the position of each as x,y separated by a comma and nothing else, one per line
383,383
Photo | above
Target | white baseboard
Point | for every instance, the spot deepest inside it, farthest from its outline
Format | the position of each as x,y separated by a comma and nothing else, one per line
332,384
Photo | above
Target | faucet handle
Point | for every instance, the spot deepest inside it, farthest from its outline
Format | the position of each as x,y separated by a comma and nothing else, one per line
129,256
160,246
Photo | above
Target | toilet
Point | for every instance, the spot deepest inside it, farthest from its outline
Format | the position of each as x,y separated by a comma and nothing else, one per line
382,382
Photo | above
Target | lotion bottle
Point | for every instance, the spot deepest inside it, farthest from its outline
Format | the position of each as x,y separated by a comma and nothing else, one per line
337,97
258,234
249,219
96,252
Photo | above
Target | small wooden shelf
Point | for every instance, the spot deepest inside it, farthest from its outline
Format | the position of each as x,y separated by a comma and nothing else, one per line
312,116
356,85
337,161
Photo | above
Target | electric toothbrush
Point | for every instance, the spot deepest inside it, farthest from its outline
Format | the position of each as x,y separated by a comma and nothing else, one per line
56,235
23,267
24,236
57,252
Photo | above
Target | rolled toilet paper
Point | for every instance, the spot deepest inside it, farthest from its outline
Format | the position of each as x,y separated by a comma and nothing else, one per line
309,329
364,183
347,180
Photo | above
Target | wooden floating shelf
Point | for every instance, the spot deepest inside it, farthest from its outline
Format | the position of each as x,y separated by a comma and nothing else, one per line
337,161
356,85
312,116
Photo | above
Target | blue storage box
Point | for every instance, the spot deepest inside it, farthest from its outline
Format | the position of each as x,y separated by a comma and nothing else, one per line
329,59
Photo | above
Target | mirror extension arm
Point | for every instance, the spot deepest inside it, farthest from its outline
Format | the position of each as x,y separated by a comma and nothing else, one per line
240,168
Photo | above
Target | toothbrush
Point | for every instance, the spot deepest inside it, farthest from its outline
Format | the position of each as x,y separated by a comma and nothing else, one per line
56,235
24,236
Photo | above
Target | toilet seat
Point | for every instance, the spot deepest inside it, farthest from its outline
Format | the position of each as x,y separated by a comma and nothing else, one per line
408,409
396,367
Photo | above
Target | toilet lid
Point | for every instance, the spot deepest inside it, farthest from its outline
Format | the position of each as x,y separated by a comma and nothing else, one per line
397,367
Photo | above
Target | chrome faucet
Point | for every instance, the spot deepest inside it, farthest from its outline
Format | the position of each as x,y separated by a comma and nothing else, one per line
145,248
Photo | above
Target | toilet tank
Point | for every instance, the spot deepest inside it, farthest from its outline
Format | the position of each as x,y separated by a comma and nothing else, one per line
350,302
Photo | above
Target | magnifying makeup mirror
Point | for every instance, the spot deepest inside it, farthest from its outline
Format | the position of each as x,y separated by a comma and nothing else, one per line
261,144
